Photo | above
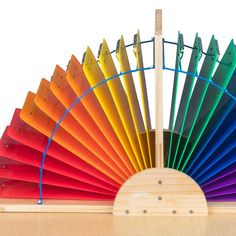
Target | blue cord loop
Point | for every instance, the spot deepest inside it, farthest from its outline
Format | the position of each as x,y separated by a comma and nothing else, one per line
40,201
50,139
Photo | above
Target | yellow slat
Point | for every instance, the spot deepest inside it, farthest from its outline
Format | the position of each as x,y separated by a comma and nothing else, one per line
47,102
132,100
144,96
95,75
120,98
78,82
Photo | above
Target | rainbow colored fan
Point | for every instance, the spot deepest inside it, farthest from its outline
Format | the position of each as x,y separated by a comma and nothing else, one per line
83,134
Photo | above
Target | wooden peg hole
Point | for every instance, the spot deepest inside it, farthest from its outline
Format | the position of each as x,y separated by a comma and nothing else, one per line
127,212
159,198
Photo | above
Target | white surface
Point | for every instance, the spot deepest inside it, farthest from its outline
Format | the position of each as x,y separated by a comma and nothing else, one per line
37,35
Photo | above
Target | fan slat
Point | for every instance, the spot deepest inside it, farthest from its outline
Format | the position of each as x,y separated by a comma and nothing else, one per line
185,98
217,152
220,127
223,173
221,183
199,93
121,101
64,93
16,151
23,172
227,190
224,159
132,99
179,54
33,116
221,77
78,82
20,189
51,106
95,76
144,95
84,133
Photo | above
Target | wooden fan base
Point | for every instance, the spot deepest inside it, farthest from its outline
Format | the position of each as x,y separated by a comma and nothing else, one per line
160,191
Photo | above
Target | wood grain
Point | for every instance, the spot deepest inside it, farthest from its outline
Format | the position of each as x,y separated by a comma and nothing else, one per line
158,22
30,205
159,155
61,224
160,191
56,206
222,207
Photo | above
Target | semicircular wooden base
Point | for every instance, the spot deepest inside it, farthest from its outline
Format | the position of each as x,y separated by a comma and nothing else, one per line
160,191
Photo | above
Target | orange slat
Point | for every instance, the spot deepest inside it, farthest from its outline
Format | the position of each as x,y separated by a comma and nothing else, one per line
34,117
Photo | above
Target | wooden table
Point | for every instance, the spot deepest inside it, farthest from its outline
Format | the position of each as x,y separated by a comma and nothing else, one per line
67,224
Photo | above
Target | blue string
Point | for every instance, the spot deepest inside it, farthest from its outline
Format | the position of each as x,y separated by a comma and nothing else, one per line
211,82
40,201
99,84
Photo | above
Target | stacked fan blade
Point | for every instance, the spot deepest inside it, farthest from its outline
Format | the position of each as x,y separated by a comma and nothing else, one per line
87,132
205,146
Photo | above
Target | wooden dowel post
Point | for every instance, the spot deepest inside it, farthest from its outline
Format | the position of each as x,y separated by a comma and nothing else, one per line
159,159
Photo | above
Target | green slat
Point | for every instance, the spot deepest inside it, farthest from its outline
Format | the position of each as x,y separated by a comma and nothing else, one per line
198,95
179,54
186,95
213,96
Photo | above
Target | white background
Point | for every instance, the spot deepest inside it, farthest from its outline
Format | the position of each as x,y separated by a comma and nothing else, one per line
37,35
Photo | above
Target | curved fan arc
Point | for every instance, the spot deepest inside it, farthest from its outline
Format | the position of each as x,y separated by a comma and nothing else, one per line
107,136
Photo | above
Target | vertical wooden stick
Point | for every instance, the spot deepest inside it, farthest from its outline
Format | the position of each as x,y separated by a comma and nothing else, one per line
159,159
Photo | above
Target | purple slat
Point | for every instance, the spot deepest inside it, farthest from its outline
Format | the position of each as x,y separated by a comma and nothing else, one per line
224,198
223,191
225,181
225,172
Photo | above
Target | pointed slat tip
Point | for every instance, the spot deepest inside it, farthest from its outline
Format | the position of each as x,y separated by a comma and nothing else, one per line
74,59
58,72
88,57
